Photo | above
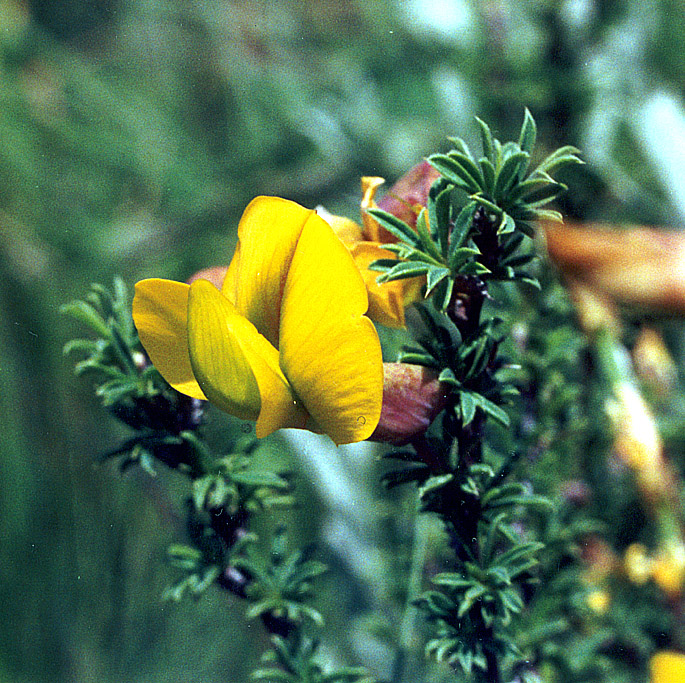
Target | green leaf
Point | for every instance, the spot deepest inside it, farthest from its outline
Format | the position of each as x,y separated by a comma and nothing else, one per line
508,174
426,238
486,140
470,598
89,346
444,294
184,557
412,473
85,313
548,215
435,483
462,227
528,133
395,226
526,187
454,172
460,256
487,204
383,264
415,358
403,270
435,276
488,171
273,676
525,228
492,409
507,225
474,268
560,157
524,551
467,406
447,376
452,580
439,213
469,165
460,145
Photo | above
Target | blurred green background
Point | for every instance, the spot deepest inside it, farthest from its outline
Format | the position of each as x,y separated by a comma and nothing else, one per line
133,133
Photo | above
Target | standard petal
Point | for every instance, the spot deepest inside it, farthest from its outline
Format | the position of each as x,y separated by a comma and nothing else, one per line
160,313
268,234
388,300
235,365
329,350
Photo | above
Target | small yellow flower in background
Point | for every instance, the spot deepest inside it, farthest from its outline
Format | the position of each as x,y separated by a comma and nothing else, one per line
404,200
599,601
669,568
666,568
653,361
637,564
667,667
285,341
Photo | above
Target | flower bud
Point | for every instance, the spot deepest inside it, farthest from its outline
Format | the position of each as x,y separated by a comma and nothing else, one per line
214,274
412,398
409,192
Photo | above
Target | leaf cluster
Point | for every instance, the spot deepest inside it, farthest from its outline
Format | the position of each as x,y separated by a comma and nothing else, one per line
292,661
475,603
463,364
127,383
484,237
281,583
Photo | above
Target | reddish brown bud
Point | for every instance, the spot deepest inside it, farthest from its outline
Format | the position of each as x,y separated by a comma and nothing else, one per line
215,275
412,398
409,192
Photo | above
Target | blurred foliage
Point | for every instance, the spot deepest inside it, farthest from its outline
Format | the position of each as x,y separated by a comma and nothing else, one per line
133,134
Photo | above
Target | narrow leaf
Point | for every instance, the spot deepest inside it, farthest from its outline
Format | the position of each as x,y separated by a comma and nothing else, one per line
492,409
439,213
488,171
528,133
468,407
460,145
395,226
403,270
469,165
486,140
426,238
435,276
462,227
454,172
561,157
86,314
508,174
507,224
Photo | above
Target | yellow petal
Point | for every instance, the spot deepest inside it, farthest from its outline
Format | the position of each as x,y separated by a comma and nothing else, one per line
268,234
235,365
329,350
388,300
346,230
160,313
667,667
372,231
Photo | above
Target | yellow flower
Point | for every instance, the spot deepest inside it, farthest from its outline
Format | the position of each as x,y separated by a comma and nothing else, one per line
404,200
285,341
667,667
